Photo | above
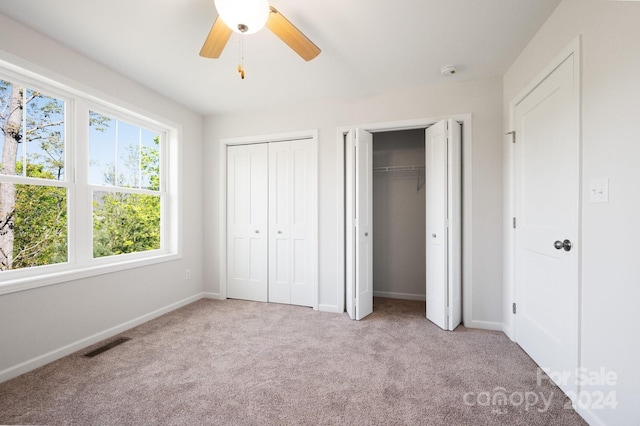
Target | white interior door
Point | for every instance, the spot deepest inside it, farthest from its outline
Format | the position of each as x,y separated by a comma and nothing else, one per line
359,223
247,199
291,242
547,196
443,224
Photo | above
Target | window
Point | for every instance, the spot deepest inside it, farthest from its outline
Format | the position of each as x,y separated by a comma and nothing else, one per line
33,184
85,187
124,173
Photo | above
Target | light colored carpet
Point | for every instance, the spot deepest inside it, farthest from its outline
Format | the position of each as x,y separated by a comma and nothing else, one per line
237,362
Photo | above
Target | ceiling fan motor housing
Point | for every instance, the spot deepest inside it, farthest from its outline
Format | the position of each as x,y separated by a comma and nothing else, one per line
243,16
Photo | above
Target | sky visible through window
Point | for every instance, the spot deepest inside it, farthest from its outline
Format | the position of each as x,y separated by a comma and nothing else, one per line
115,151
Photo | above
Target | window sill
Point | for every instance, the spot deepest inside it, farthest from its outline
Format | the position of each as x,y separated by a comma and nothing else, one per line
65,274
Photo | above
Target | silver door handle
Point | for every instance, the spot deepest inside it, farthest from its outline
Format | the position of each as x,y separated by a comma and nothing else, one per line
566,245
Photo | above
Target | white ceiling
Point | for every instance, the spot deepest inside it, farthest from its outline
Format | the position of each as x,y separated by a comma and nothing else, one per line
368,46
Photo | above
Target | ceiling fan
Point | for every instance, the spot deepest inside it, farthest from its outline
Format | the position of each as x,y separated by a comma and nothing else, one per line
249,16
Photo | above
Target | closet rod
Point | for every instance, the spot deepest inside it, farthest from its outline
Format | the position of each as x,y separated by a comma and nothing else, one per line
386,169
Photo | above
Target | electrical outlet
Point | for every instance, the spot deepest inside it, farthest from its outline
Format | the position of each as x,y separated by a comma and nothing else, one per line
187,274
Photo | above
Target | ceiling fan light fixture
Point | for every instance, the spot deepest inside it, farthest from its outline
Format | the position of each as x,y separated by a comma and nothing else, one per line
243,16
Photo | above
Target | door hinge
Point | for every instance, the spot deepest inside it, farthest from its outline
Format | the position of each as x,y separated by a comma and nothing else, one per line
513,136
514,223
514,308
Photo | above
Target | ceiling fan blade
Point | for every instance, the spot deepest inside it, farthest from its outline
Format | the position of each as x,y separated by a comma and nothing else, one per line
216,40
292,36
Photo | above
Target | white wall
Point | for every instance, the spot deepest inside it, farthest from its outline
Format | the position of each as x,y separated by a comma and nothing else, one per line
399,228
610,149
39,325
483,99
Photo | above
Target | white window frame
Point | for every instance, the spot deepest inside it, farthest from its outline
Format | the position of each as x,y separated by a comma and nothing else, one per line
80,262
83,176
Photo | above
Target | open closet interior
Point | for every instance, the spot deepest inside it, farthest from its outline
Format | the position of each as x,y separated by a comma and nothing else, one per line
399,260
403,219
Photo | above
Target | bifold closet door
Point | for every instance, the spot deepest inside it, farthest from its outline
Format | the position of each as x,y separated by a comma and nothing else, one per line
359,229
291,246
443,223
247,230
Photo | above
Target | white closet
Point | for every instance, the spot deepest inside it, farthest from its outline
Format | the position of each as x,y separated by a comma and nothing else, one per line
443,223
271,243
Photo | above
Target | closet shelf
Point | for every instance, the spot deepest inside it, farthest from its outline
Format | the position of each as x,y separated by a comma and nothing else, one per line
386,169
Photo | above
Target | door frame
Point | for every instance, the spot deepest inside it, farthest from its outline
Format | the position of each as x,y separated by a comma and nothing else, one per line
574,48
467,197
222,206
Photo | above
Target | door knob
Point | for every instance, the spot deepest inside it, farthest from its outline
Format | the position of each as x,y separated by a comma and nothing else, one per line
566,245
257,232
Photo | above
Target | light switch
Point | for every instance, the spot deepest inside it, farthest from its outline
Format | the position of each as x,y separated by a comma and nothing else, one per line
599,191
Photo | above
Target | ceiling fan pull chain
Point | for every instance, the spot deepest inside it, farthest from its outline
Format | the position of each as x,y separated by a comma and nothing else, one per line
241,57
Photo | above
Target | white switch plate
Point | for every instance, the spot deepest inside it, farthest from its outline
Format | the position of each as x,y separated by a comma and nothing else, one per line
599,191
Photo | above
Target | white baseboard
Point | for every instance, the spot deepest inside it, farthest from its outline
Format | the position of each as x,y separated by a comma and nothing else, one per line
330,308
484,325
39,361
508,331
396,295
210,295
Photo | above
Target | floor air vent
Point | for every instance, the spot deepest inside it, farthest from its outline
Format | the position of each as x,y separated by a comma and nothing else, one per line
106,347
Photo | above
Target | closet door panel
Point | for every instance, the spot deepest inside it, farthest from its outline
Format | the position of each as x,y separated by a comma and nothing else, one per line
247,200
302,202
443,199
436,223
359,225
290,217
279,202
